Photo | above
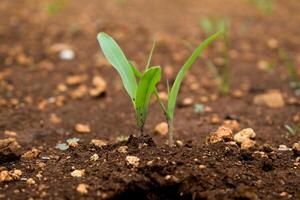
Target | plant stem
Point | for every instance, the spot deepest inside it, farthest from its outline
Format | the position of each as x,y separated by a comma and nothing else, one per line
170,131
162,106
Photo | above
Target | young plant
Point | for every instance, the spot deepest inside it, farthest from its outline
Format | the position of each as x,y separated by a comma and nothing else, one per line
265,6
172,94
220,72
141,92
56,6
292,130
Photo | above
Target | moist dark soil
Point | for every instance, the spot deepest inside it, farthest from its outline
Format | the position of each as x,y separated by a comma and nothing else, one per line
40,109
218,171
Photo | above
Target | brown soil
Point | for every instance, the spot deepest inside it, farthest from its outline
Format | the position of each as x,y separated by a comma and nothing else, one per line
30,74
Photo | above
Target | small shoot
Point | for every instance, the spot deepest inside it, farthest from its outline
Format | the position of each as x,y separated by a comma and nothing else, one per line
172,96
141,92
292,130
56,6
221,72
265,6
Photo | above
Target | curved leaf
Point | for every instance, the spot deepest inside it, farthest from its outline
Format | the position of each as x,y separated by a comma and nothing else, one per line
175,88
116,57
146,87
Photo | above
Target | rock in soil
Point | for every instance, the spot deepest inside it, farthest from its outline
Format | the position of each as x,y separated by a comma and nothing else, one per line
161,129
296,148
133,160
222,134
271,99
244,134
82,188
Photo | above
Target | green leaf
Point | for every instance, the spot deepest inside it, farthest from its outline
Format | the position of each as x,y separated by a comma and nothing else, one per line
146,87
116,57
176,86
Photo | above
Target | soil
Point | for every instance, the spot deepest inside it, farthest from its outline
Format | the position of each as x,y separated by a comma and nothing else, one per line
42,115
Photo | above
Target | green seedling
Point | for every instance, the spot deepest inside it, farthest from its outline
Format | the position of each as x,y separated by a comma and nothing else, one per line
141,92
221,73
292,130
56,6
265,6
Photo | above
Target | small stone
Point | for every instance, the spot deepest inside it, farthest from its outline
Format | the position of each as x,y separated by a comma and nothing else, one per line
76,79
16,174
247,144
9,143
73,142
79,92
34,153
244,134
133,160
123,149
215,119
222,134
283,147
161,129
67,54
99,86
150,163
82,128
272,43
186,102
296,148
99,143
62,87
5,176
171,178
237,94
55,119
179,143
82,188
78,173
30,181
232,124
10,133
271,99
199,108
62,146
94,157
201,167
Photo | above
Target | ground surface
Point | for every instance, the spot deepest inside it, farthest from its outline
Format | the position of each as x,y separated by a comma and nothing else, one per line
36,105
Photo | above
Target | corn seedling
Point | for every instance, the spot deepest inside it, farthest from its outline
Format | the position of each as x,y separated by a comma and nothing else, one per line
56,6
292,130
265,6
221,73
141,92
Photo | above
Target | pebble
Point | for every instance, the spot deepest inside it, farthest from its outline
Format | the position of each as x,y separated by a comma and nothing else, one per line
67,54
10,133
161,129
123,149
80,92
55,119
78,173
99,143
6,176
30,181
94,157
244,134
199,108
82,128
272,43
222,134
201,167
34,153
296,148
73,142
247,144
283,147
76,79
232,124
9,143
186,102
82,188
133,160
99,87
271,99
62,146
215,119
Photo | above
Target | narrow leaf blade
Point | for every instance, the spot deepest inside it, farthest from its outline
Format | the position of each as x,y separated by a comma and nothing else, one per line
146,88
116,57
176,86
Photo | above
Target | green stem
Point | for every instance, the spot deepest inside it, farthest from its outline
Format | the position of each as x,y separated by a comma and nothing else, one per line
170,131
